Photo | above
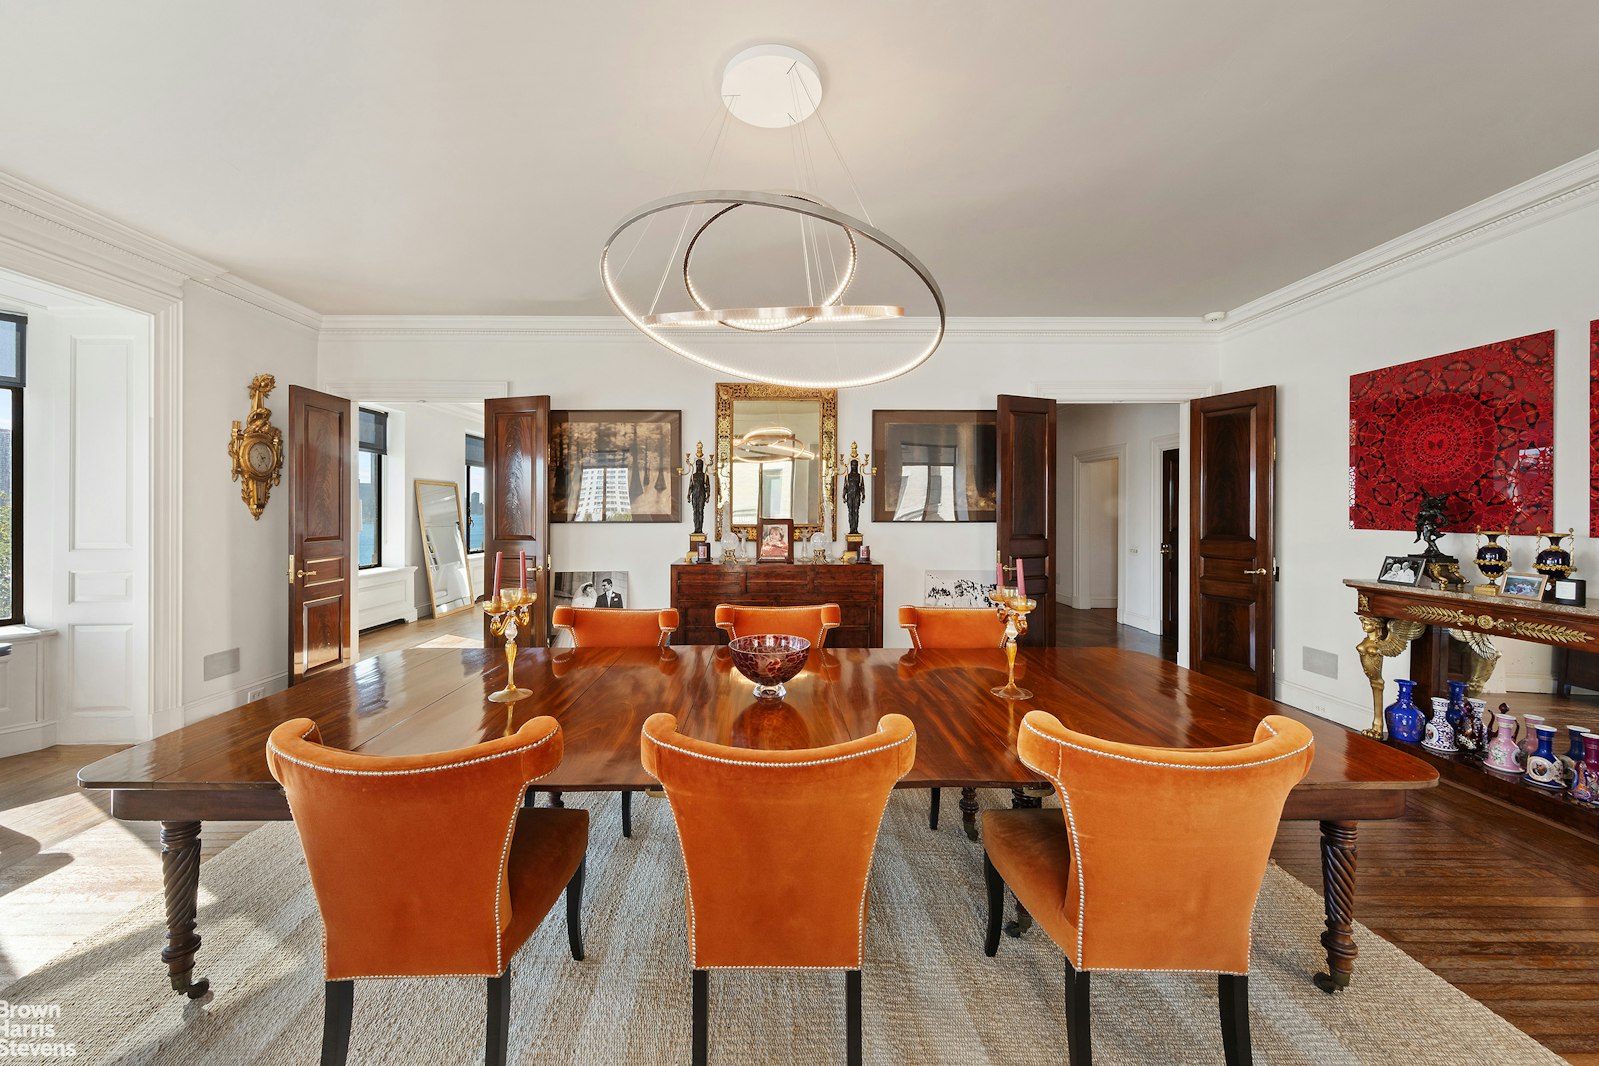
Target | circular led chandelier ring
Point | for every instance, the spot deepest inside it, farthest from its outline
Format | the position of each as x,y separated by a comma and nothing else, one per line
797,316
777,202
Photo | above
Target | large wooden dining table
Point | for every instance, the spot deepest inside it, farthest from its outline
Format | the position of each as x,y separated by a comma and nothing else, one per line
425,700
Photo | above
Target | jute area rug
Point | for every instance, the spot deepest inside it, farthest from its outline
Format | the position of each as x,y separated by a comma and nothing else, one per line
930,994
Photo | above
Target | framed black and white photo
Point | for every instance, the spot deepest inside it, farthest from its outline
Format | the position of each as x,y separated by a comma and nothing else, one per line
590,588
1401,570
957,588
934,466
616,466
1524,586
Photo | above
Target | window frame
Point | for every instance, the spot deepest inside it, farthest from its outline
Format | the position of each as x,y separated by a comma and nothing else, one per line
467,484
378,455
14,385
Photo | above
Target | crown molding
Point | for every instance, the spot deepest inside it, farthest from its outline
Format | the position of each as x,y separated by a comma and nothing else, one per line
614,327
1531,202
439,393
1132,390
264,299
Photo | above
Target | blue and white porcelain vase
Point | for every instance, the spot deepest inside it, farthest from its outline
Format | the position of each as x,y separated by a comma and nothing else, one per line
1439,735
1403,716
1543,768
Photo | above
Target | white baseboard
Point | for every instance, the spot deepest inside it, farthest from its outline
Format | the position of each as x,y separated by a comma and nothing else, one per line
197,710
1333,708
30,736
1145,622
99,727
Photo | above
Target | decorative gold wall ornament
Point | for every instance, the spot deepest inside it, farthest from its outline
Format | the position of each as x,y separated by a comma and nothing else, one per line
257,448
825,401
1541,631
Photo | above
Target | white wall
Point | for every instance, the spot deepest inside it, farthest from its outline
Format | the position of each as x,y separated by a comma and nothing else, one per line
1136,434
613,368
235,587
1519,282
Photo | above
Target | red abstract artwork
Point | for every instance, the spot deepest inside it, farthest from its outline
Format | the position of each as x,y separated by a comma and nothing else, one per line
1476,427
1593,428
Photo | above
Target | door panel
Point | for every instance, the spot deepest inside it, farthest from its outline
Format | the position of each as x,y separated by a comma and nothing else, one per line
517,517
1232,487
319,487
1025,517
1169,488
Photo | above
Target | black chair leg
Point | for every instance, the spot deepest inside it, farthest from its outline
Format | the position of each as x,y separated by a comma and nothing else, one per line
627,814
574,911
499,1027
338,1004
932,812
852,1017
996,906
1079,1038
1233,995
702,1006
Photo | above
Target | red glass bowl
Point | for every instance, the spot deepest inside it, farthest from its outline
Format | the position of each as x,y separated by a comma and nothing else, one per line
769,660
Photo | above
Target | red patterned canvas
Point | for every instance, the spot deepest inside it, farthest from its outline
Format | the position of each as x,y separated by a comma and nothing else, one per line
1593,428
1475,426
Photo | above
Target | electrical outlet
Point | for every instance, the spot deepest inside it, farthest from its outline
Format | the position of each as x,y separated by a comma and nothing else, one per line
255,694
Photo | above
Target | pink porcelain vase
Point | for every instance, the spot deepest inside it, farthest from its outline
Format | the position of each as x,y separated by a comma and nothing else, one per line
1503,753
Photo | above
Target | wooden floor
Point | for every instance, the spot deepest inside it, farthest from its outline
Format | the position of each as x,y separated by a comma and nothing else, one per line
1498,903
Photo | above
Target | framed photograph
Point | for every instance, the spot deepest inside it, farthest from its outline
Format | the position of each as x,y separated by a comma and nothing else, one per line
616,466
1573,592
1524,586
774,540
934,466
1401,570
957,588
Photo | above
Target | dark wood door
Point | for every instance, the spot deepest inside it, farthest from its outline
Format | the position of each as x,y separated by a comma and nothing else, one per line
1232,490
1025,516
1170,480
516,437
318,461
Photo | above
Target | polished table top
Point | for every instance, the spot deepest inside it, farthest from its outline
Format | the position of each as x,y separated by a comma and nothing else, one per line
424,700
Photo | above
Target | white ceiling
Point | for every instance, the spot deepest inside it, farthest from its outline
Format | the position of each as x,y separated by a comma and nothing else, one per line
1056,157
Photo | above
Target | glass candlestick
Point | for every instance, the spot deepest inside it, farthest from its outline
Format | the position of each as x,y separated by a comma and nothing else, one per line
1012,606
509,610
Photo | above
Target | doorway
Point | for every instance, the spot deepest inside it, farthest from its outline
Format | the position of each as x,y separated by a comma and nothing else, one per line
1120,521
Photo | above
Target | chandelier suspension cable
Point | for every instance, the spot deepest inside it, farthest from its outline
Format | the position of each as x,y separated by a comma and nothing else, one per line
848,173
710,160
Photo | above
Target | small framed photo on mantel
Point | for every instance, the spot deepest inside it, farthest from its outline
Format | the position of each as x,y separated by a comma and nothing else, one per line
1524,586
1401,570
774,539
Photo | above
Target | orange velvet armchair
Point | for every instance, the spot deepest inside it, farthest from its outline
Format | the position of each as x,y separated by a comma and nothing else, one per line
812,623
610,627
607,627
1153,861
953,627
777,846
426,865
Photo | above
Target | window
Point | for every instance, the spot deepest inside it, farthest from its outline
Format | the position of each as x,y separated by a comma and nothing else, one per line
474,494
13,346
374,443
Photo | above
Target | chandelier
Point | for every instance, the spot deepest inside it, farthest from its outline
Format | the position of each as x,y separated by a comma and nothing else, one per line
817,336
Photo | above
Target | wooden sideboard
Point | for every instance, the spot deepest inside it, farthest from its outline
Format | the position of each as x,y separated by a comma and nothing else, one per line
857,588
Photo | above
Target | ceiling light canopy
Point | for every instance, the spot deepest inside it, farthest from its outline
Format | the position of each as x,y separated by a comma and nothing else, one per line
776,87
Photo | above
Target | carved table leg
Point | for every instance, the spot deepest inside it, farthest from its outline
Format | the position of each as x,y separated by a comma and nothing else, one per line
180,881
1338,894
1484,657
1384,639
1020,799
969,812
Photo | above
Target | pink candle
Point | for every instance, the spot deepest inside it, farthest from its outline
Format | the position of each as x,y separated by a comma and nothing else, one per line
1021,579
999,575
521,567
494,589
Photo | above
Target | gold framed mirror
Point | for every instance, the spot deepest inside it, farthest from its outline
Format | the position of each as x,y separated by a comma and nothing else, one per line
776,447
438,510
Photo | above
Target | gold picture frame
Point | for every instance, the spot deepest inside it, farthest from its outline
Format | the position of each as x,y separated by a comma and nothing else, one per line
729,396
1523,586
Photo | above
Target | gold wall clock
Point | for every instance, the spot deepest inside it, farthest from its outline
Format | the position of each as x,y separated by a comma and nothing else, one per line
257,448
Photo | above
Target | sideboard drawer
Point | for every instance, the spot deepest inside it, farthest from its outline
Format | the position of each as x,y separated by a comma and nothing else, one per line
857,589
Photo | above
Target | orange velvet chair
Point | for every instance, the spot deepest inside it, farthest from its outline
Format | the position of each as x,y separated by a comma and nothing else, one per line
610,627
952,627
1153,861
812,623
426,866
607,627
777,846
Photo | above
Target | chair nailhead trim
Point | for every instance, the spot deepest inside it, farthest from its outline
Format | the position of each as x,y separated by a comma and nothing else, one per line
1167,765
782,765
286,757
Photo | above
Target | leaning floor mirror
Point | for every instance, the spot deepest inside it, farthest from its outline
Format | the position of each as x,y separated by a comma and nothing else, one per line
438,509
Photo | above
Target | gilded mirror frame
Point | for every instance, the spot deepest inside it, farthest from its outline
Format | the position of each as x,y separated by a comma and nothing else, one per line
730,392
460,519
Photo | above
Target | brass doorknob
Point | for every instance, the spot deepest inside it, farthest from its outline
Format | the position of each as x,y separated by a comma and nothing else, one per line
1165,549
1262,570
306,573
